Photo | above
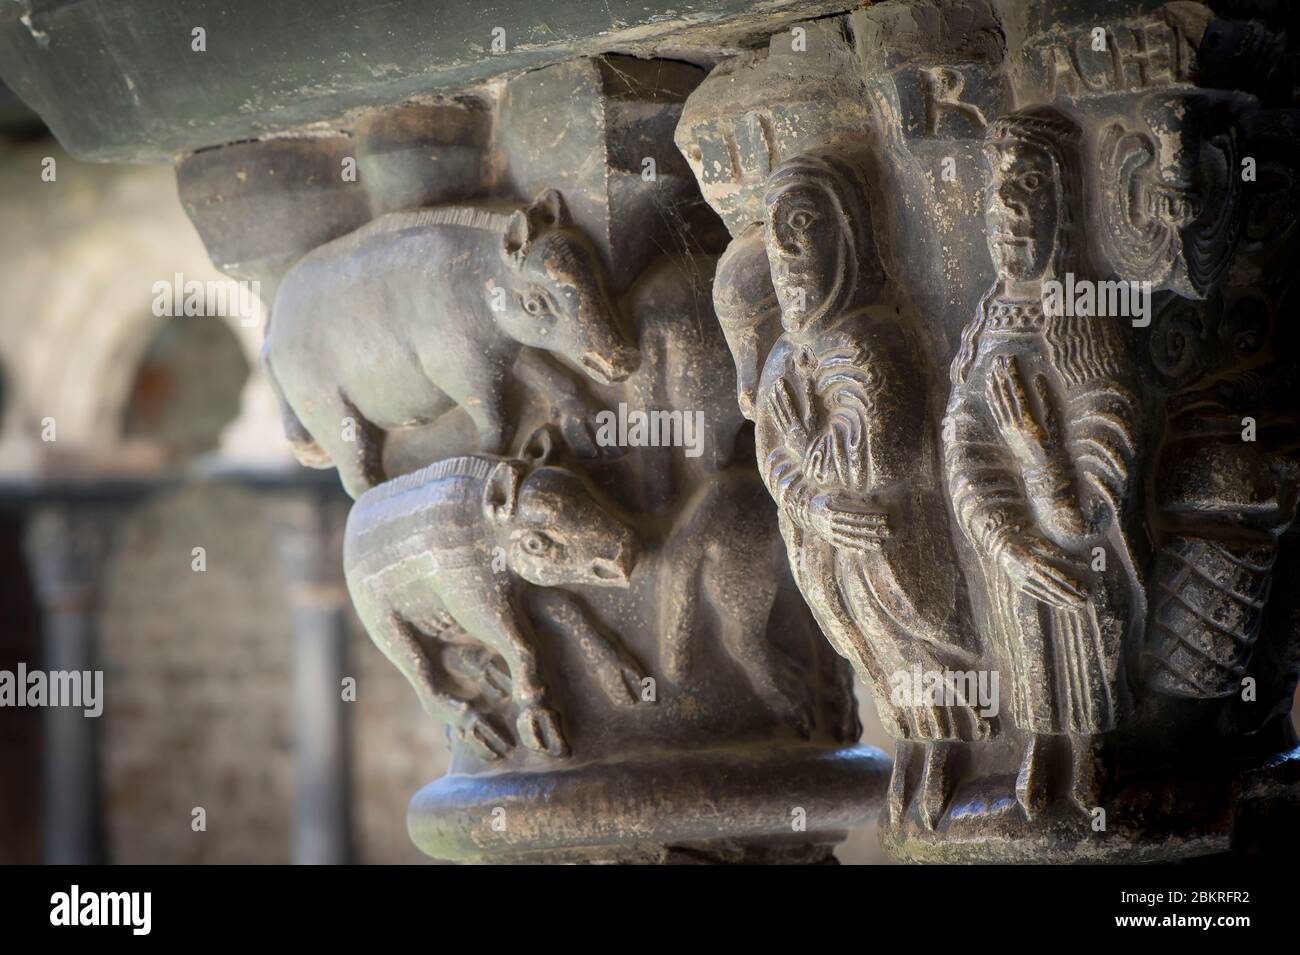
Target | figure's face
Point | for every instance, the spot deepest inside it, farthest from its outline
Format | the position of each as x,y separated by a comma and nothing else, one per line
1020,210
803,241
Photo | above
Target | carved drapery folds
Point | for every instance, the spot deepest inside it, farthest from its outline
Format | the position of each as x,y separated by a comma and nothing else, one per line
501,335
1017,358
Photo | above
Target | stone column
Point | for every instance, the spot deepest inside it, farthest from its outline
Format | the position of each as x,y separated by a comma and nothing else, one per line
66,546
1008,291
309,536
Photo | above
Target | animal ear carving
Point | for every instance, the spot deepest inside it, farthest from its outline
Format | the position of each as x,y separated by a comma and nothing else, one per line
517,238
547,211
542,446
501,492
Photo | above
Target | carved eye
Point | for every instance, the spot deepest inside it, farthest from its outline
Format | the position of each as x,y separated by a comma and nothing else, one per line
535,303
535,543
801,220
1033,181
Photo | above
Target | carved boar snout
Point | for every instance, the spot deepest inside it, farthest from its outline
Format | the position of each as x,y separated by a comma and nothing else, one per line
616,569
559,532
613,365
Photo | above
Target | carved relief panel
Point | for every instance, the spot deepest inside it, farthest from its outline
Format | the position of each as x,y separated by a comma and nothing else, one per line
1014,358
559,534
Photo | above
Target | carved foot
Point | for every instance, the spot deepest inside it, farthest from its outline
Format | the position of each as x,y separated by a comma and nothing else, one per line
539,729
1088,772
937,781
1032,780
799,715
898,783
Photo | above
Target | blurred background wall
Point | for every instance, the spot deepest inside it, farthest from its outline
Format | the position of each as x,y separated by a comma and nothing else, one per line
166,438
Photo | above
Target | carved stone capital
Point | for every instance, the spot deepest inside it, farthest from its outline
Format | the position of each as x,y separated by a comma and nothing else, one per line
559,535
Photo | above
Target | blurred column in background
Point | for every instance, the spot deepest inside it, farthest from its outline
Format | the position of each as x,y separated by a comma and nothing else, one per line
66,548
308,538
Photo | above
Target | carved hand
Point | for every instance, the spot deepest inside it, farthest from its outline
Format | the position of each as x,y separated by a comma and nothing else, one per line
793,428
1034,444
1043,571
849,526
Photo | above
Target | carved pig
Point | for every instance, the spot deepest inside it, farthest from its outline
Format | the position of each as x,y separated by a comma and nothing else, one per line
460,539
419,312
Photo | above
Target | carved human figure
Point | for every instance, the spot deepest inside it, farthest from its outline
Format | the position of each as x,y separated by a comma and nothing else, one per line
846,448
1040,439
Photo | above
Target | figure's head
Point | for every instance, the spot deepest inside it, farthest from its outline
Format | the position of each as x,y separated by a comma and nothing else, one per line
557,298
1033,202
553,528
818,231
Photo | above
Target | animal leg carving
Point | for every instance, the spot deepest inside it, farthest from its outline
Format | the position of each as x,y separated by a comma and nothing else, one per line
567,406
481,667
682,604
480,396
743,595
617,672
538,725
363,468
400,642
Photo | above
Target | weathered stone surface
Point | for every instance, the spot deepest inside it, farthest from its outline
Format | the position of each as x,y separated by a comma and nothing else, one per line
420,155
147,93
1092,507
1005,299
261,206
577,595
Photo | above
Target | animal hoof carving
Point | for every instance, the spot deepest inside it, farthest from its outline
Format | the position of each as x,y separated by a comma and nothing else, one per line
479,733
801,719
575,422
494,682
480,667
539,729
622,683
